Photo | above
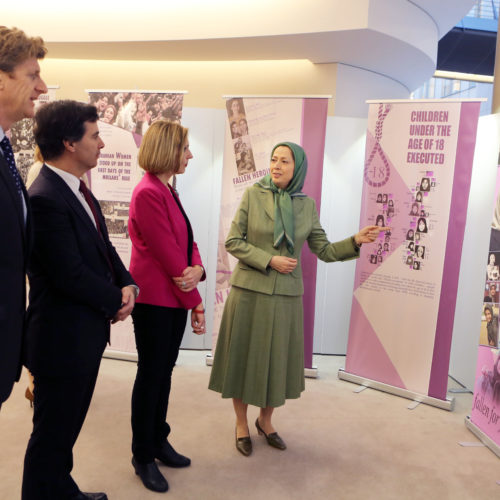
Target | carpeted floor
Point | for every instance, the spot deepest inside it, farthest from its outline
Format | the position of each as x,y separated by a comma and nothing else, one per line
341,445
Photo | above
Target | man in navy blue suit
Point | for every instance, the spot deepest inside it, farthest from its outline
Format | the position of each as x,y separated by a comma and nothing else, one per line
78,286
20,86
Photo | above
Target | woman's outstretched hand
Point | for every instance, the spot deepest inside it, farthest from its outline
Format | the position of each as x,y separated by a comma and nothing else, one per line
369,234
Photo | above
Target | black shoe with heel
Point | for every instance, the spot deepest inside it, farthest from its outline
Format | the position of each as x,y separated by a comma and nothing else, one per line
90,496
150,476
273,438
243,444
168,456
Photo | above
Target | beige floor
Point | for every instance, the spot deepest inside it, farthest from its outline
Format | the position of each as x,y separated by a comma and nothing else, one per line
341,445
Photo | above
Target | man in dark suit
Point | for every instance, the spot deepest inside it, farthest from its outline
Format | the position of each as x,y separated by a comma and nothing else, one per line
20,85
78,286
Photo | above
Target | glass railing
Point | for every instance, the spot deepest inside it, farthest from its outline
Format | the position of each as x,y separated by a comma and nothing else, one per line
485,9
447,88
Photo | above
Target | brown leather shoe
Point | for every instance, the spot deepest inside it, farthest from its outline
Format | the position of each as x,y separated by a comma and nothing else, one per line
29,396
273,438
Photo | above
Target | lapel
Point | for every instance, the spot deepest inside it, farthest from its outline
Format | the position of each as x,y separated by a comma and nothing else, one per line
267,201
174,208
298,204
64,190
6,177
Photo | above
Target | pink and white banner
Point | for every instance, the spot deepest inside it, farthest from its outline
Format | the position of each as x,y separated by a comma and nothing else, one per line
485,414
253,127
417,174
124,117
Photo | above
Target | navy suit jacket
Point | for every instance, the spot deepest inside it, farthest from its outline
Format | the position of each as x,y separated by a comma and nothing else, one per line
75,277
14,254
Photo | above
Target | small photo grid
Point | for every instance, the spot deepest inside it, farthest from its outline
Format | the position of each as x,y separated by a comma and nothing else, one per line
386,211
238,126
491,298
416,248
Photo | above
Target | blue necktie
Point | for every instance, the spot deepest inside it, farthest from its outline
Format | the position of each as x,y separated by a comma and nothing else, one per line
9,158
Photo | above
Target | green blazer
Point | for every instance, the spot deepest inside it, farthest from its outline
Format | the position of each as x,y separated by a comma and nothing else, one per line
251,236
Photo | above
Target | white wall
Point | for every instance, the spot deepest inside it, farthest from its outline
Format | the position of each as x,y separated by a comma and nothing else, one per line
199,190
340,208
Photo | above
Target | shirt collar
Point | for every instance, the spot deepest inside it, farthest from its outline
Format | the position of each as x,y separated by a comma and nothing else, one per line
72,180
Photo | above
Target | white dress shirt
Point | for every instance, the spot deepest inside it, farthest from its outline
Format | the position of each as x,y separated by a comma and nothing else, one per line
73,183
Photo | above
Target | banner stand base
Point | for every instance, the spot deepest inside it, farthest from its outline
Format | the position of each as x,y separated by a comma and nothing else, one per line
447,404
311,372
486,440
120,355
308,372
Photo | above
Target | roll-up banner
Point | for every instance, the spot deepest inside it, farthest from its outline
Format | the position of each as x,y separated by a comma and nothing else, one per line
254,125
417,173
22,138
484,420
124,117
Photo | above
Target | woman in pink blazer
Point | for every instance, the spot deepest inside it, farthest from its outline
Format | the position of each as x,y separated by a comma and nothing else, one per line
167,267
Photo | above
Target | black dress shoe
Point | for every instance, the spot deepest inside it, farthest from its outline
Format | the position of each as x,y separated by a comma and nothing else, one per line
90,496
273,438
151,477
244,445
170,457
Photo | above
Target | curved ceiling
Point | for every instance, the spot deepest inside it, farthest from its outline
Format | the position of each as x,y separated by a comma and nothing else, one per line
397,38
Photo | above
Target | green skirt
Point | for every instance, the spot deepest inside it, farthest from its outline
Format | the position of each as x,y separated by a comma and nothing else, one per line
259,356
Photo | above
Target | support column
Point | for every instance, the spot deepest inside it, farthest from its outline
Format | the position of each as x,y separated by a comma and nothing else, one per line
495,102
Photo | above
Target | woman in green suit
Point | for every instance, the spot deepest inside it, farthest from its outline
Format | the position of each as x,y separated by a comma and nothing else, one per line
259,358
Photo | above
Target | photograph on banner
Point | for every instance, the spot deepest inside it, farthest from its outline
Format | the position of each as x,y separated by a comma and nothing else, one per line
491,292
254,125
488,334
124,117
135,111
486,403
409,175
22,138
489,326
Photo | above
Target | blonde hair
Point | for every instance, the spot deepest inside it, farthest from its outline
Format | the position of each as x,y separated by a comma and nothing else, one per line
16,47
162,146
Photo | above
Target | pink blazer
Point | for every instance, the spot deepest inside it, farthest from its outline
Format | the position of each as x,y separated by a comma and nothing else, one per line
159,237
